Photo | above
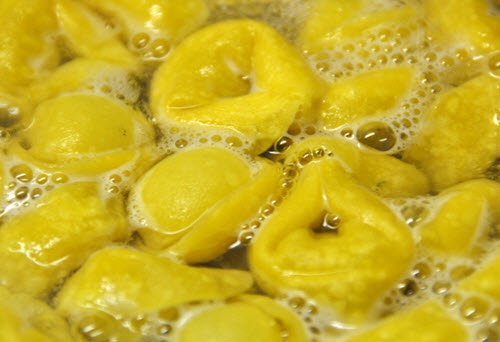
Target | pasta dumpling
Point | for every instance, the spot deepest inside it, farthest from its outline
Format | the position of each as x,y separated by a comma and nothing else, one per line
84,134
343,265
239,75
205,195
40,247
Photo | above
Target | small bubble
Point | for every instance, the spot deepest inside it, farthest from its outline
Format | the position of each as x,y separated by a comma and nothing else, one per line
297,302
421,270
319,153
376,135
22,173
115,179
216,138
160,48
494,63
234,141
59,178
347,133
140,40
414,215
330,224
169,314
246,238
474,308
294,129
408,288
310,130
254,224
441,287
36,193
290,171
181,143
114,190
451,299
267,210
22,193
306,157
282,144
164,329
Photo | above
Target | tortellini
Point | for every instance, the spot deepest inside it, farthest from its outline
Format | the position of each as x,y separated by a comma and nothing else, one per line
239,75
170,19
367,94
383,174
194,201
468,210
459,138
428,322
332,22
485,280
26,319
344,266
84,134
41,246
246,318
89,35
82,75
122,283
471,21
27,47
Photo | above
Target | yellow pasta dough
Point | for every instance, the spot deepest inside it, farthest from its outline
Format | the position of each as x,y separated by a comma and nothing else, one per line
218,188
461,120
84,134
292,253
27,319
462,220
239,75
41,246
246,318
124,283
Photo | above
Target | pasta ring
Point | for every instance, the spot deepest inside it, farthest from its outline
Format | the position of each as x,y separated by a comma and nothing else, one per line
205,195
39,249
239,75
340,267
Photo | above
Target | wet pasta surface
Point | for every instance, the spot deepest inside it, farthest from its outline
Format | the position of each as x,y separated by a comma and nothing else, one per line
261,170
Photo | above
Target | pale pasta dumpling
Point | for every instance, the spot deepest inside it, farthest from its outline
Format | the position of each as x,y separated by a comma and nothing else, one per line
84,134
43,245
246,318
462,222
343,265
447,149
120,283
239,75
365,96
192,204
27,319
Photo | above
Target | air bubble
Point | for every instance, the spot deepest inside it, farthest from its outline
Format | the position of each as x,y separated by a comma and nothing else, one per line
474,309
376,135
22,173
140,40
22,192
160,48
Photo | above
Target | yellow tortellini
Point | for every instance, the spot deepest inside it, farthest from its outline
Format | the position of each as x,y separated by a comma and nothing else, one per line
368,94
459,139
239,75
26,319
122,283
472,21
41,246
82,75
427,322
462,220
485,280
335,246
383,174
170,19
332,22
84,134
89,35
194,201
27,48
246,318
